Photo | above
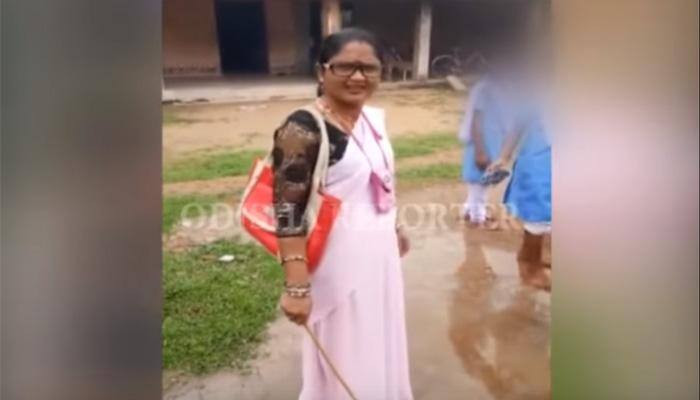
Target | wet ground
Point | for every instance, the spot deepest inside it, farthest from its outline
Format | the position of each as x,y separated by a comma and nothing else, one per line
474,331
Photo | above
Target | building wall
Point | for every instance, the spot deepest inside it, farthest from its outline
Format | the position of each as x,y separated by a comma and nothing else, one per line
391,21
304,38
190,43
287,35
473,25
467,24
190,46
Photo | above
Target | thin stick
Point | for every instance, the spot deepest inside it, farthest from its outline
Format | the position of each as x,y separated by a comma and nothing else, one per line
325,357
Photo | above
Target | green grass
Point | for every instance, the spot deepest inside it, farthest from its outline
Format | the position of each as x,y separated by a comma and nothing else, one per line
175,208
215,313
171,118
430,173
218,165
422,145
211,166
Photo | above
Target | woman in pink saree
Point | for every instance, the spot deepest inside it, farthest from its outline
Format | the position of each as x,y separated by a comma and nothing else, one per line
354,300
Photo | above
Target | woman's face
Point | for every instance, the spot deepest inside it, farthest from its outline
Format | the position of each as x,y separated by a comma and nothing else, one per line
352,75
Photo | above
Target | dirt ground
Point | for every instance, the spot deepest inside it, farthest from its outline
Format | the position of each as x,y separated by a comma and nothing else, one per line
217,127
474,331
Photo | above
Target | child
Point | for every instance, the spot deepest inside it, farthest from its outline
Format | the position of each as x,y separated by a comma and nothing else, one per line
528,195
483,129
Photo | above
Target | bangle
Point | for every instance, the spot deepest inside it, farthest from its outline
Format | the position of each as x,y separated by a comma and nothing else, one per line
296,257
306,285
298,294
298,290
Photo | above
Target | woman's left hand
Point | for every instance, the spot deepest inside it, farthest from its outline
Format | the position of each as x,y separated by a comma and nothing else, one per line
403,241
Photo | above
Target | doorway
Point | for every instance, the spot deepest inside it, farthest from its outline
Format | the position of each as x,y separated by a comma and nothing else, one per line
242,39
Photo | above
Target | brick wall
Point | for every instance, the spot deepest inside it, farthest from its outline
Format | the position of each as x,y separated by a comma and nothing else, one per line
190,45
287,35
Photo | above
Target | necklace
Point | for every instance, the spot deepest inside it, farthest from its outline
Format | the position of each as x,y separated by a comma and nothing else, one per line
347,124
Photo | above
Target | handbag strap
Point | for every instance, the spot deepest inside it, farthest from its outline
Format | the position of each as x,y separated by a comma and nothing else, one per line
321,168
320,172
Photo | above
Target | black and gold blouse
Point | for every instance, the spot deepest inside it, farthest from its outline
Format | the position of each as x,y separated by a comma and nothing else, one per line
295,150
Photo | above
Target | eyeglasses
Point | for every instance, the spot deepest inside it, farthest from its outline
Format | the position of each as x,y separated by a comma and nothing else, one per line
345,70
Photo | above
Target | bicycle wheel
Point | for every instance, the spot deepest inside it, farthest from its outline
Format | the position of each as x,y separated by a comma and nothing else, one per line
442,66
475,64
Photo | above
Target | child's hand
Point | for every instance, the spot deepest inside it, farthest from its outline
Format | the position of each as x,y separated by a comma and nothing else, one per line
497,165
482,160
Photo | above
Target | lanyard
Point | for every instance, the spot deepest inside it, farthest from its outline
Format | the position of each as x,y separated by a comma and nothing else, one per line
377,138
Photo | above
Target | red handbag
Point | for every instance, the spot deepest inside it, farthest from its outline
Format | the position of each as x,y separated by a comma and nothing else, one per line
257,209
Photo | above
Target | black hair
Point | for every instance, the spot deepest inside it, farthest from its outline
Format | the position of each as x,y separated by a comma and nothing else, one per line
334,43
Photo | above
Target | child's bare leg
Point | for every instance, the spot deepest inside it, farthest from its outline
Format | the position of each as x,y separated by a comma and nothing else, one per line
532,270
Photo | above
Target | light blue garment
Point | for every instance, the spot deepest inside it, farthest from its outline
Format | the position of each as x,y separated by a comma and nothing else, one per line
487,100
528,195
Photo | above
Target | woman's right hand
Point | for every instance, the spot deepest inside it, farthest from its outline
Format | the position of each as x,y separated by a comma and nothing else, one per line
297,309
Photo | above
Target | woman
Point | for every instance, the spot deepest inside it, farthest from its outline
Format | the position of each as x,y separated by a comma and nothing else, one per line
353,302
